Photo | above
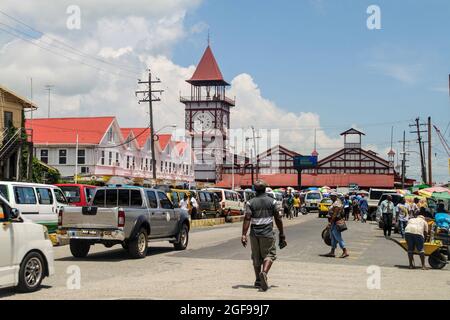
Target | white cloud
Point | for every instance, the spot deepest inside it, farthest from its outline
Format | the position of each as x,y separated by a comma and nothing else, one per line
296,130
408,74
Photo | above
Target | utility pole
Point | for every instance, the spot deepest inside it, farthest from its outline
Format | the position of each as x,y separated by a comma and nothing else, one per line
430,174
421,148
49,88
150,98
404,160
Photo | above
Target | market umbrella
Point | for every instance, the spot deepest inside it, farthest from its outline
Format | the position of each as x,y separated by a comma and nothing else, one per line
441,195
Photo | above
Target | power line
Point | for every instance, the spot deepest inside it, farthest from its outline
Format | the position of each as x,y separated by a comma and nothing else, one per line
62,55
69,47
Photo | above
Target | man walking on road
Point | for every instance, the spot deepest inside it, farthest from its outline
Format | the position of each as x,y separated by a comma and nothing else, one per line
259,215
364,208
387,214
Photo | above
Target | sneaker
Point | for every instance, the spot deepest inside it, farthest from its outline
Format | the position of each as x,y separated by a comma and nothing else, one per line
264,284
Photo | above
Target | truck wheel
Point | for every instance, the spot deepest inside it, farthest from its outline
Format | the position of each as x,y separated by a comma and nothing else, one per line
437,260
31,272
79,248
137,248
182,238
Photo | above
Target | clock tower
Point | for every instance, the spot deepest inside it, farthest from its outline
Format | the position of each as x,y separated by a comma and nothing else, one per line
208,118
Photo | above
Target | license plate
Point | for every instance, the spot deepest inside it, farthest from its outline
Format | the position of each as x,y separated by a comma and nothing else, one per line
83,233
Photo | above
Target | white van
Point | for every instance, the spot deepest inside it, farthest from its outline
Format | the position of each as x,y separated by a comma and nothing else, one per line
39,203
26,253
231,201
312,200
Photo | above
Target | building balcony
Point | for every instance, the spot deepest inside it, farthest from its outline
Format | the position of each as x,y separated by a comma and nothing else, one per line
189,99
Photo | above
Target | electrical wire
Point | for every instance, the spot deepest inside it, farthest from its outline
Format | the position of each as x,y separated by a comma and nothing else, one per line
72,49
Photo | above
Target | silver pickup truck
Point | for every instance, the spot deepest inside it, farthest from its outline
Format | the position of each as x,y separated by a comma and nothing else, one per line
130,216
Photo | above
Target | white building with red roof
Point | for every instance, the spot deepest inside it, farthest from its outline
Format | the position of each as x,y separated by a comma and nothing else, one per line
106,150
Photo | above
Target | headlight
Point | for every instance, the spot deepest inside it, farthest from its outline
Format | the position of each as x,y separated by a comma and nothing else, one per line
46,237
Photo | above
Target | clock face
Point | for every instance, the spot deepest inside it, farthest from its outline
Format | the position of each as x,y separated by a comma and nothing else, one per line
203,122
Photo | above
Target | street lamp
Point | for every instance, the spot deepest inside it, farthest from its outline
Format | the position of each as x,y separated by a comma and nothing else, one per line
232,166
154,138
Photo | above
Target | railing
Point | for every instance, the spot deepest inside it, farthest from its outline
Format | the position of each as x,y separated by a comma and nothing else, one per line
10,141
208,99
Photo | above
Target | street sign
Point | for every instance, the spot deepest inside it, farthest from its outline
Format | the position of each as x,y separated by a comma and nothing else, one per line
305,162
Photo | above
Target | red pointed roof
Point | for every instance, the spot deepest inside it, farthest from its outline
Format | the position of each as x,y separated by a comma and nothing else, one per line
90,130
164,140
142,134
208,71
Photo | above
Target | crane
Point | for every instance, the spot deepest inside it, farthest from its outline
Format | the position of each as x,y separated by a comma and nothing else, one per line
443,141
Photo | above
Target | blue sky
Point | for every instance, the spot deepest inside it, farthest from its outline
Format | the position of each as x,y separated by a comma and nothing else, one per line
320,56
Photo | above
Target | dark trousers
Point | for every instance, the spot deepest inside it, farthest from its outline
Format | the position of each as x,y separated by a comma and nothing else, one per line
347,213
387,224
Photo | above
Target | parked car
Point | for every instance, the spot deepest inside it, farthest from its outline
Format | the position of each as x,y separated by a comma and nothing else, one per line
26,253
247,194
130,216
373,199
209,204
37,202
78,194
395,199
324,206
230,201
312,200
278,196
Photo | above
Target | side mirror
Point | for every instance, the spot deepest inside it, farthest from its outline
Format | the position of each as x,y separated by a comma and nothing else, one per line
15,214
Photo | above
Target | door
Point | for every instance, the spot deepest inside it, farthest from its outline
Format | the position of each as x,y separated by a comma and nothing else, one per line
168,219
7,272
155,214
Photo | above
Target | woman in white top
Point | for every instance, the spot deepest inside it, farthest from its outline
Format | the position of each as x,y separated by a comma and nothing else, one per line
415,234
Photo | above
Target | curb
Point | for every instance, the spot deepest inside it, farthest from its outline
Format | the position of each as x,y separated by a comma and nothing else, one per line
207,222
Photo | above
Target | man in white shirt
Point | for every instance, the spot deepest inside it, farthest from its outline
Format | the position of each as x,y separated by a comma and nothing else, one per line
194,205
184,203
387,214
415,234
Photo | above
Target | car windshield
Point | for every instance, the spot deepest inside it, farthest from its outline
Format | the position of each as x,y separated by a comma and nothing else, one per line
313,196
395,198
72,193
376,194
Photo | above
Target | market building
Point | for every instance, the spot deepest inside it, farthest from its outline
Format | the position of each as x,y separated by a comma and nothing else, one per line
350,166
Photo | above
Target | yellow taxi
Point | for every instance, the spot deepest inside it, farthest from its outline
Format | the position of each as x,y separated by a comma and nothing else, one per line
324,206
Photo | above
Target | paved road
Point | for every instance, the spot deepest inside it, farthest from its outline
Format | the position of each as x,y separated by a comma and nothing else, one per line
216,266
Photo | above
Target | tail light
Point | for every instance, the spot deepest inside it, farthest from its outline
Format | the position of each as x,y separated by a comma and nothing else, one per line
223,205
121,219
60,217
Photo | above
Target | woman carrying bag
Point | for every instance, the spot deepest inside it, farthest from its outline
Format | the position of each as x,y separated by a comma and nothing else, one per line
337,226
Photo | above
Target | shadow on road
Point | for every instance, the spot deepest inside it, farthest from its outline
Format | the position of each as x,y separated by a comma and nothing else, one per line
116,255
9,292
245,286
